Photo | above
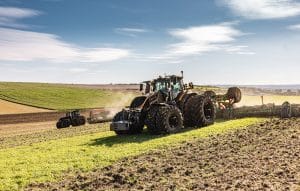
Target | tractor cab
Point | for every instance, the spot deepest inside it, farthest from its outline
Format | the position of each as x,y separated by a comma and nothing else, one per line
73,114
169,86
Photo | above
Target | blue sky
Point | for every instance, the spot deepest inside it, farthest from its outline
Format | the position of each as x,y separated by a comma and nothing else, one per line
128,41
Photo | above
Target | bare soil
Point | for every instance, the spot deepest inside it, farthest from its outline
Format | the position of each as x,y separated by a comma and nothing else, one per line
7,107
8,130
6,119
28,128
260,157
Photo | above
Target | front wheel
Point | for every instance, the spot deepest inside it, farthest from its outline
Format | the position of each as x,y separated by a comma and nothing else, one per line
63,124
59,125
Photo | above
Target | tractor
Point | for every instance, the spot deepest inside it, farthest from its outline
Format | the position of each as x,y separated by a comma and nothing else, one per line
168,105
72,118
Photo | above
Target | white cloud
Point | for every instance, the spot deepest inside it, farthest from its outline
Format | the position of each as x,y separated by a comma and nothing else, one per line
136,30
294,27
196,40
130,31
14,12
78,70
10,15
200,39
264,9
104,54
20,45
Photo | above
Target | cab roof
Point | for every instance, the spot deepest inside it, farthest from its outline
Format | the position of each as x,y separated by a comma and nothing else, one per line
168,77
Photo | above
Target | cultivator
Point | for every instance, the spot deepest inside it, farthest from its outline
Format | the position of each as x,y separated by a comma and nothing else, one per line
286,110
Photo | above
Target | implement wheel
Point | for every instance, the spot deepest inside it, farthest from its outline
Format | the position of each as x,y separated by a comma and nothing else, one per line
235,94
210,94
286,110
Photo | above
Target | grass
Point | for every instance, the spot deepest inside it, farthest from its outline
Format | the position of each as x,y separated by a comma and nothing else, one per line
206,88
61,97
48,160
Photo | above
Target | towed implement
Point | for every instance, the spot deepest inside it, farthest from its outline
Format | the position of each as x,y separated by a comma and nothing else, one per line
72,118
168,105
286,110
98,116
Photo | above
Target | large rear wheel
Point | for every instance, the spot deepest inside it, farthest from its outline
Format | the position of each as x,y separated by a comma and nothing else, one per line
82,120
75,122
185,111
201,111
182,103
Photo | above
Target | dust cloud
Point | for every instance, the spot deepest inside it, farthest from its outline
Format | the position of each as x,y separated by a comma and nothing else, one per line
119,104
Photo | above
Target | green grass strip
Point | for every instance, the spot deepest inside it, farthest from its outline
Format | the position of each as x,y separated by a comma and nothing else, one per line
47,161
62,97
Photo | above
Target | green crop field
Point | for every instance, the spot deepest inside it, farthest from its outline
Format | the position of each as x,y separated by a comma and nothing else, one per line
48,160
60,97
206,88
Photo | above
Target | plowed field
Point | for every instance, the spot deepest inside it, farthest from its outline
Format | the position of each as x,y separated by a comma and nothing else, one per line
13,108
260,157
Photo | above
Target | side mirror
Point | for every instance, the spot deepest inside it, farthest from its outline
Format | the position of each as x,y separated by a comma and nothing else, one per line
191,85
185,86
141,87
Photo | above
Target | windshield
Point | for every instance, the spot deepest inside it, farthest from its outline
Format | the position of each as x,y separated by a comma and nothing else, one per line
177,87
160,86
